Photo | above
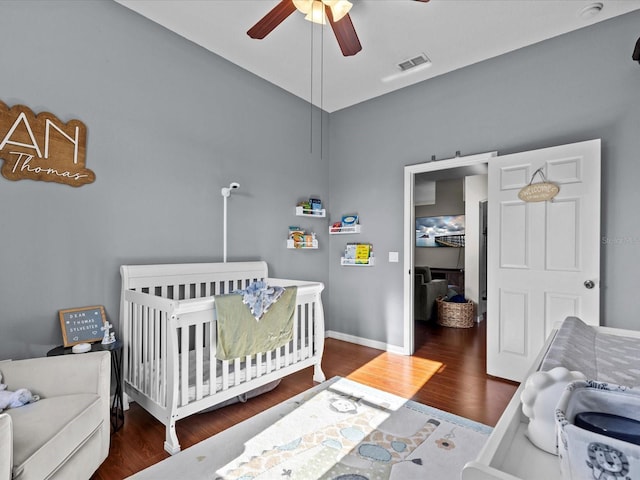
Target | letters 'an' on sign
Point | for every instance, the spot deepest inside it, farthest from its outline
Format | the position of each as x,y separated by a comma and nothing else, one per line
41,147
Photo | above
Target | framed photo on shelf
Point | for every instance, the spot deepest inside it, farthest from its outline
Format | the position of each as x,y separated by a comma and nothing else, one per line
82,325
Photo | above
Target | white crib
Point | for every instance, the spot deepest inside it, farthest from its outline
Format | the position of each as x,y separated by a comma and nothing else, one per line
168,327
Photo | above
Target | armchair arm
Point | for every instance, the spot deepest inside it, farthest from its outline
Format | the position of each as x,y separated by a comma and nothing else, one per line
61,375
6,446
425,294
437,288
419,297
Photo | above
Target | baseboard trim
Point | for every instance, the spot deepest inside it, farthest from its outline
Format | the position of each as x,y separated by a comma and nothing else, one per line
365,342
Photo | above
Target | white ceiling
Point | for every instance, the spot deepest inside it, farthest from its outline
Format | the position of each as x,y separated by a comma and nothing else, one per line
304,58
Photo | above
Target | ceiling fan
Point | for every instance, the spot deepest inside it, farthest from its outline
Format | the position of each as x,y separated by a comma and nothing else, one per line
336,11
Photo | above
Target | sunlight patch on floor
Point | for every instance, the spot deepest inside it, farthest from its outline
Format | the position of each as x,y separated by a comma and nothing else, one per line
408,374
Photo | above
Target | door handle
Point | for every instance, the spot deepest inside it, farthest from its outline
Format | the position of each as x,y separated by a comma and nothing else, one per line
589,284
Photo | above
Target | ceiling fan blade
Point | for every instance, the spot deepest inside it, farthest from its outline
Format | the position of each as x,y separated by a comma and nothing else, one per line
423,1
345,34
272,19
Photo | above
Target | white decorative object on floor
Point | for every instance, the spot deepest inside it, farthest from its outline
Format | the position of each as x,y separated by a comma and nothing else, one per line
539,398
168,318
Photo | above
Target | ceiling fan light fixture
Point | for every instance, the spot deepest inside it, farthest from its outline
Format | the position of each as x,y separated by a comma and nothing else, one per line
314,9
303,6
316,13
339,8
335,11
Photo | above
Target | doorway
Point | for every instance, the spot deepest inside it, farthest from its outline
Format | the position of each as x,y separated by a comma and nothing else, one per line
544,263
460,166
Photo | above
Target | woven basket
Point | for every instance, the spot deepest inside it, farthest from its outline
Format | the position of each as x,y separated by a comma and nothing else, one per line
452,314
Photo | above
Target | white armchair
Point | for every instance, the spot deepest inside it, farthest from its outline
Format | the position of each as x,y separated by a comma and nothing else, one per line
66,434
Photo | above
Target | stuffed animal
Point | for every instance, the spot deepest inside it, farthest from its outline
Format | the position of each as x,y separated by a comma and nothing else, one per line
20,397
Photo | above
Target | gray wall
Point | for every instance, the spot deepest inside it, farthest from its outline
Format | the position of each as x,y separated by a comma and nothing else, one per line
168,125
576,87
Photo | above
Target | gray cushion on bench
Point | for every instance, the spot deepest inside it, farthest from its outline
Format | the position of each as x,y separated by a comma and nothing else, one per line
599,356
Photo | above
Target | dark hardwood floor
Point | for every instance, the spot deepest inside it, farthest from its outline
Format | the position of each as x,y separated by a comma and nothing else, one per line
446,372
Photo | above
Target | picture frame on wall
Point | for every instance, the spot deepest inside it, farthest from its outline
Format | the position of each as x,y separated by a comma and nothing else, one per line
82,325
441,231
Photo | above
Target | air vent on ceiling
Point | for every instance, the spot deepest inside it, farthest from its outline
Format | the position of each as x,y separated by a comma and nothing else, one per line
414,62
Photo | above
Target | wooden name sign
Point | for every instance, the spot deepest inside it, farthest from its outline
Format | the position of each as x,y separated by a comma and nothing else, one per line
41,147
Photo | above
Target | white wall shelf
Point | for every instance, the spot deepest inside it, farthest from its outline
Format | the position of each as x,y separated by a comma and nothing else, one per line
351,262
307,212
344,230
301,245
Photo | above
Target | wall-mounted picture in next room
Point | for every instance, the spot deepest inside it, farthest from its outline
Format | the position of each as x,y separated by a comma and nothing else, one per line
440,231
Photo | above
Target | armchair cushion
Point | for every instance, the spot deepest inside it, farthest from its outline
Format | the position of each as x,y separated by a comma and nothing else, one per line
66,434
50,430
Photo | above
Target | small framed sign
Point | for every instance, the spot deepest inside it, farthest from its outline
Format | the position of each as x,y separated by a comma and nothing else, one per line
538,192
82,325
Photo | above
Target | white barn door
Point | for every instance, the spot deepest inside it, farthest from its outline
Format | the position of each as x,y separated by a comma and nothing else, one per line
543,257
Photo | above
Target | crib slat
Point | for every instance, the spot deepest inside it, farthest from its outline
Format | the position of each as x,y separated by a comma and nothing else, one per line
134,346
199,368
130,343
289,350
130,347
236,371
138,354
213,375
303,351
146,357
296,332
154,345
247,367
210,291
308,308
269,361
184,366
164,334
143,349
225,375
